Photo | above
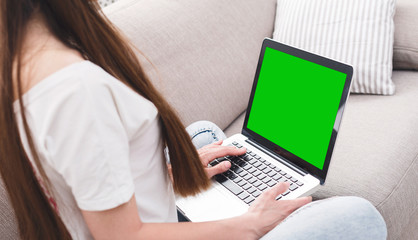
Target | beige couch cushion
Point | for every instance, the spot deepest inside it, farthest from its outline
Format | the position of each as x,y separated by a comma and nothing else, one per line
8,226
405,49
376,154
181,37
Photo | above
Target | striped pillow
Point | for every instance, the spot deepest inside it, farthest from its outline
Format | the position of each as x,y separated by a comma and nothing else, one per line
357,32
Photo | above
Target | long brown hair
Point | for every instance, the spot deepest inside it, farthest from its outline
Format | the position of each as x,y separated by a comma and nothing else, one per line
80,25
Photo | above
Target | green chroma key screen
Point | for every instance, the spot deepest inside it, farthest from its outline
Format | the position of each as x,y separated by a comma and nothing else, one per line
295,105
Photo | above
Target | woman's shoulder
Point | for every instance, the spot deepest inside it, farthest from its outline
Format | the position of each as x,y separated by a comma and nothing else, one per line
64,82
68,76
62,70
84,82
39,65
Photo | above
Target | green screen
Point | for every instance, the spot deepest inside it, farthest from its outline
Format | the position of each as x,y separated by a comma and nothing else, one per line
295,105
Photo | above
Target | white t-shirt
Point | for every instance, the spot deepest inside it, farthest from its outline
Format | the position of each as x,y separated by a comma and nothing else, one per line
99,143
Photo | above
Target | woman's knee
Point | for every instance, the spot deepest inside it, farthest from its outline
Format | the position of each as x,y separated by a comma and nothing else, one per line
333,218
362,211
355,216
357,207
204,132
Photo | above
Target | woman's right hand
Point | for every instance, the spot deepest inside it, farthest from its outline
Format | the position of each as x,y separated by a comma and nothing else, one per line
266,212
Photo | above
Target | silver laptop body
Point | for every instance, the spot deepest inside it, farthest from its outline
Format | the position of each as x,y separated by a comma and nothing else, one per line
314,90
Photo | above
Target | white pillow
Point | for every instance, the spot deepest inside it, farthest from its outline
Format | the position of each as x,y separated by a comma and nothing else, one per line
357,32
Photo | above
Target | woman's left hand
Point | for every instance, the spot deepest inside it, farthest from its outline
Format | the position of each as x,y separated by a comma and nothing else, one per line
215,150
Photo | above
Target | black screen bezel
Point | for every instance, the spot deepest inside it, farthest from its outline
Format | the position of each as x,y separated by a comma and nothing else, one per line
272,147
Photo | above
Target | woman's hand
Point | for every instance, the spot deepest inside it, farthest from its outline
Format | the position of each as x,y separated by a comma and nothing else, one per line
209,152
215,150
266,212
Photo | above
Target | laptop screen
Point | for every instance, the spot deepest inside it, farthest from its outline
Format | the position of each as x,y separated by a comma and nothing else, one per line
295,104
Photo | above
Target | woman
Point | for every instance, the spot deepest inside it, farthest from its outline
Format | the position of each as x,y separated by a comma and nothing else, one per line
83,133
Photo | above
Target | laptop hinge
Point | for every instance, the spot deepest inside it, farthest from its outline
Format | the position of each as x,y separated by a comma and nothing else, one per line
273,155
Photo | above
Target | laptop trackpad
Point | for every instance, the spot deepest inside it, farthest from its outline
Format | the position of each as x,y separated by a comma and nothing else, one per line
208,205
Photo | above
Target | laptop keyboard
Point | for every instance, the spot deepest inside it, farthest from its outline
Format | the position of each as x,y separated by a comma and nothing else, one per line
250,175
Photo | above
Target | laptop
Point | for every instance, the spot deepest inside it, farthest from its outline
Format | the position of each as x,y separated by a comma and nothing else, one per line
290,129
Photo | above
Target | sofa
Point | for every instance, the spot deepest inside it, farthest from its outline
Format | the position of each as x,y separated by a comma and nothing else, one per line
202,56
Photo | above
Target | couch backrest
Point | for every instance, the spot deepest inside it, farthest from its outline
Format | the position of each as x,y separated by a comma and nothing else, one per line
405,49
205,52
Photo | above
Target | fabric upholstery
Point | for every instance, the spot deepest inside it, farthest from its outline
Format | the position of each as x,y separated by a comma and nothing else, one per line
405,49
356,32
8,226
376,154
204,52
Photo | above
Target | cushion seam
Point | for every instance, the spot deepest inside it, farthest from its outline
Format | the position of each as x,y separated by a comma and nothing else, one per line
406,49
233,121
399,183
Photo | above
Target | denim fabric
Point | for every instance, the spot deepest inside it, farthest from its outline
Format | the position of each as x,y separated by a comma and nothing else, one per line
343,218
204,132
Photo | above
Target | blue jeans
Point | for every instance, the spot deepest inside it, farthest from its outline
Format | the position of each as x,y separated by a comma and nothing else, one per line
348,218
332,218
204,132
